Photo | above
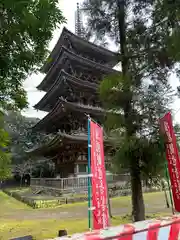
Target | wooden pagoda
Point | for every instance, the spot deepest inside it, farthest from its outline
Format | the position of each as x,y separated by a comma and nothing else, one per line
73,72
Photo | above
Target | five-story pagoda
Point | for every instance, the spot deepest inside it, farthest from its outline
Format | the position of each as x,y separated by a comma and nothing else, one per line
73,70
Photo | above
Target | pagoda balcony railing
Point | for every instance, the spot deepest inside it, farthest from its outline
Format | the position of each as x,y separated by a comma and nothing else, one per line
83,132
76,183
79,132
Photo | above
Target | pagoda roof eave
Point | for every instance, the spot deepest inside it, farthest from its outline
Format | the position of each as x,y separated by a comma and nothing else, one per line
78,107
106,53
60,140
58,86
65,53
59,111
54,112
44,148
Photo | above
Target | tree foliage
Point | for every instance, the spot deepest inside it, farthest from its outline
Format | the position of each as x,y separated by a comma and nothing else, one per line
18,128
144,32
21,137
149,103
26,29
5,157
44,169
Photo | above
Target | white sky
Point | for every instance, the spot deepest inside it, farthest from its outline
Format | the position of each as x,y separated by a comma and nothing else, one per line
68,7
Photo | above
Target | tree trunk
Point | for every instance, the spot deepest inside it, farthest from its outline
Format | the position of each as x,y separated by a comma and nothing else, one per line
136,185
138,209
21,180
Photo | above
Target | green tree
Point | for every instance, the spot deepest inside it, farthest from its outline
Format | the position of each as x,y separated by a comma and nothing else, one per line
140,93
5,157
21,137
177,133
26,28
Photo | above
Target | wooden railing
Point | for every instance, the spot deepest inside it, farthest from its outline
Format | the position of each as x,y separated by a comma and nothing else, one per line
75,183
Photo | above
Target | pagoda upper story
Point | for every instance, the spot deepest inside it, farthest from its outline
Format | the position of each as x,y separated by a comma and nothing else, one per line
77,65
69,87
74,70
80,47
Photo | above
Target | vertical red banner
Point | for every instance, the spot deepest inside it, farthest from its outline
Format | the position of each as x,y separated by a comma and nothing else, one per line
172,157
99,186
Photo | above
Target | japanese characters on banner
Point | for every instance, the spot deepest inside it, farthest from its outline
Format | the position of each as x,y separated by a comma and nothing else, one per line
99,186
172,157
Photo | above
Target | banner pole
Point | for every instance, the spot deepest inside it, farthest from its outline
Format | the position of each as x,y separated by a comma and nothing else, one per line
108,197
169,188
89,177
109,202
165,193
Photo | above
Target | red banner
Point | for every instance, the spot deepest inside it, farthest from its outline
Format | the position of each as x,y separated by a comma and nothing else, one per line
99,186
172,157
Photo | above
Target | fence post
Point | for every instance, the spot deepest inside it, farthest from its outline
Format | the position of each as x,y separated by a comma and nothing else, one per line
62,185
109,203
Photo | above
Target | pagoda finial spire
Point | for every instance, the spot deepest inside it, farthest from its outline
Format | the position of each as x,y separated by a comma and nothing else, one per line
78,22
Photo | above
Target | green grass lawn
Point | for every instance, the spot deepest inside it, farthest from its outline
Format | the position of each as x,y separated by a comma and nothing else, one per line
123,202
8,204
43,200
48,227
43,229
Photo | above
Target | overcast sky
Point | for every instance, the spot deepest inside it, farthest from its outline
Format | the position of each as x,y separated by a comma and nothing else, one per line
68,7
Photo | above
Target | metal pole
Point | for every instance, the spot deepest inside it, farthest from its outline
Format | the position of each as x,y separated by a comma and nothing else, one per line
169,187
89,177
165,193
109,203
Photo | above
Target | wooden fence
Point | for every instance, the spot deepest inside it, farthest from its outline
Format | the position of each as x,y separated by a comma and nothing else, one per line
75,183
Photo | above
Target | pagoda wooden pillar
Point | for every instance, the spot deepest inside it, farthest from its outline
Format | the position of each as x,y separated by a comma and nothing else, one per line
64,168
